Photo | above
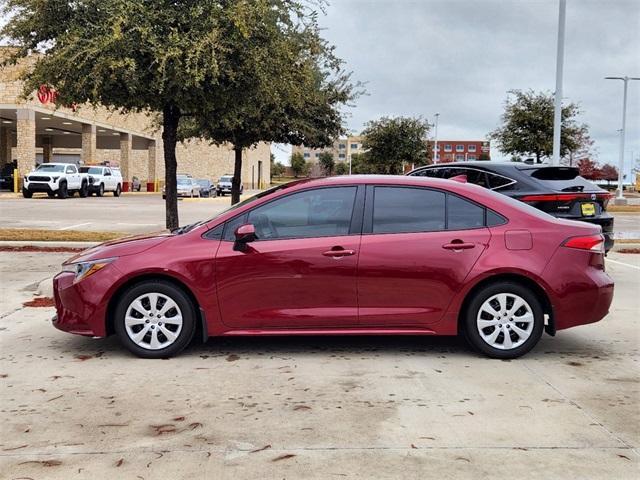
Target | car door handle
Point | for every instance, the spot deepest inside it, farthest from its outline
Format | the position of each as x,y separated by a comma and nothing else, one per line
458,245
338,253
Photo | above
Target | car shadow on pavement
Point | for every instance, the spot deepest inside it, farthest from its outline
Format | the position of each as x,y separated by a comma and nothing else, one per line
561,347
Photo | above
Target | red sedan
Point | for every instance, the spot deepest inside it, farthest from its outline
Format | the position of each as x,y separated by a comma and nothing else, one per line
375,255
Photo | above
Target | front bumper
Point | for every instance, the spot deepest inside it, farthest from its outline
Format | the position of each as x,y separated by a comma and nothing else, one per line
81,308
48,187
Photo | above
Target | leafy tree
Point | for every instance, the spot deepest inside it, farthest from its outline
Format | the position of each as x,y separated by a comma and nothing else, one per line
484,156
279,81
588,168
299,165
277,168
361,165
392,142
527,126
342,168
608,172
160,57
327,164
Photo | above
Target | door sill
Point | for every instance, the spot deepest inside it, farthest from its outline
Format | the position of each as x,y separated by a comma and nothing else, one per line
328,331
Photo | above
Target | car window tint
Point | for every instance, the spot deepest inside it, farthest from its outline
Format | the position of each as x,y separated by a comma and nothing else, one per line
324,212
477,177
498,181
397,210
462,214
428,172
231,226
494,219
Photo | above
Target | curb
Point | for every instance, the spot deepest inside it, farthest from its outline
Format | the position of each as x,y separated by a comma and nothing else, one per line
27,243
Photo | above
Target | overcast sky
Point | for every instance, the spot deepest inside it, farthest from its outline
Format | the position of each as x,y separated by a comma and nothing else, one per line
460,57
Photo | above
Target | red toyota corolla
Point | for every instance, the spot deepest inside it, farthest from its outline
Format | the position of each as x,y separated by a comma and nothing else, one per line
355,255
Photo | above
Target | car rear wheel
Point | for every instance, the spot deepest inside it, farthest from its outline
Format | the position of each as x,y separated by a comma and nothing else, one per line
117,191
155,319
504,320
51,194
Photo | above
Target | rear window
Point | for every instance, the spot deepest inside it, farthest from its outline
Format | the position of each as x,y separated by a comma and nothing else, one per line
562,179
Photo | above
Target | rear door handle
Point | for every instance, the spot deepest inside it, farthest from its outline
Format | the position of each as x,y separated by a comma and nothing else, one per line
339,253
459,245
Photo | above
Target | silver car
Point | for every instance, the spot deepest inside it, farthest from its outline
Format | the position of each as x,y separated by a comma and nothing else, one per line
187,187
224,185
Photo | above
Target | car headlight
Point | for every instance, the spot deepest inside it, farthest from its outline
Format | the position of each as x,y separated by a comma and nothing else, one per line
83,270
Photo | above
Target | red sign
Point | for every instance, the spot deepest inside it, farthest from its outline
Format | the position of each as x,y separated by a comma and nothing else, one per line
46,94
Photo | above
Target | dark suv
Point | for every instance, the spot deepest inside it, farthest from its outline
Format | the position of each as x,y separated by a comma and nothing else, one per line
559,191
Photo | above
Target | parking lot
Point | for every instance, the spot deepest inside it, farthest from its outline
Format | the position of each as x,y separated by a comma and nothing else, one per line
129,213
365,407
138,213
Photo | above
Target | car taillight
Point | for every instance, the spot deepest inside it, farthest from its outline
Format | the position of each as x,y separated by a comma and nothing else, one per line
566,197
594,243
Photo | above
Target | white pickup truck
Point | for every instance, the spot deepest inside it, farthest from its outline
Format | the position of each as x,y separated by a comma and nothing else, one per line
105,179
61,179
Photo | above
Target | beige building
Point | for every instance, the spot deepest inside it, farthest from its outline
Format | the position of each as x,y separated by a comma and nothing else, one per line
33,130
342,149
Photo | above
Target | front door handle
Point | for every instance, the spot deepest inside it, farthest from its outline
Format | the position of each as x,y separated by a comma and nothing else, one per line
458,245
338,253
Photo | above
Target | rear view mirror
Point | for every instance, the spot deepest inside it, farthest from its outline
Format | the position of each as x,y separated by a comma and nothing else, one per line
244,234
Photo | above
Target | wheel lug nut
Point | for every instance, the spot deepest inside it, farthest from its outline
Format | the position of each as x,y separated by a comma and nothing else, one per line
146,321
159,323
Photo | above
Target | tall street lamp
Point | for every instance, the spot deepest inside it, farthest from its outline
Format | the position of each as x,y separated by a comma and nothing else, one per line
557,111
620,200
435,143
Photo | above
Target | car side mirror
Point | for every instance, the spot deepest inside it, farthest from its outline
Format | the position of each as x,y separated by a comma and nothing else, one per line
244,234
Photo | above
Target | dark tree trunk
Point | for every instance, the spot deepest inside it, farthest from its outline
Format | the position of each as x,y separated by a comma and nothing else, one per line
237,176
170,120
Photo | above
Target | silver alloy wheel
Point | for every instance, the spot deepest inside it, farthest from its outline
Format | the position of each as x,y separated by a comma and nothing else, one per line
153,321
505,321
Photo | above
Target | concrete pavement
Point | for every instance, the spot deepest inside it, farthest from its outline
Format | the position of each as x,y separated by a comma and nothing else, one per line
368,407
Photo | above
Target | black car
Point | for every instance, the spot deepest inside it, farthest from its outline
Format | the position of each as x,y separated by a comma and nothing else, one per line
559,191
207,188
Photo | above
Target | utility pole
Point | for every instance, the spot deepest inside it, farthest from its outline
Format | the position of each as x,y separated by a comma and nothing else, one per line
557,111
435,143
620,200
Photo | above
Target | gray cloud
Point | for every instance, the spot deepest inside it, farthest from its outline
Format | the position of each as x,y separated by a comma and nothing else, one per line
460,57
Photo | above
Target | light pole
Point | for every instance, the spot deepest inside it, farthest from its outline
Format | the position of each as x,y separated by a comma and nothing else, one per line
620,200
435,143
557,109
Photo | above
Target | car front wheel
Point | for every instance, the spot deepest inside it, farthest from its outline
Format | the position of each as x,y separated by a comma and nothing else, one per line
504,320
62,190
100,191
26,193
155,319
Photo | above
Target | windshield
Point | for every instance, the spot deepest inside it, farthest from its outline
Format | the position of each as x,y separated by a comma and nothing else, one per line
203,183
48,167
184,181
225,179
91,170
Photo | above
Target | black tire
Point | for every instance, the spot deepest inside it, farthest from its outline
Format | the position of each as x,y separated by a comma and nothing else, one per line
177,295
51,194
84,190
26,193
62,190
100,191
164,197
117,191
473,307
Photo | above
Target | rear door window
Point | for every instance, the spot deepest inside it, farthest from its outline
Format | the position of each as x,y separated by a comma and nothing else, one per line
406,210
463,214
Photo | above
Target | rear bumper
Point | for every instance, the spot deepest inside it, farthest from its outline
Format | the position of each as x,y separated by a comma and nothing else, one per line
579,295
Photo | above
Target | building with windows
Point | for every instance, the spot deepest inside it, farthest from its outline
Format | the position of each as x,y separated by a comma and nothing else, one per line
35,130
342,149
461,150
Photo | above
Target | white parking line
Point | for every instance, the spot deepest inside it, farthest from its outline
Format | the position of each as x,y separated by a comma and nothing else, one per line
622,263
74,226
